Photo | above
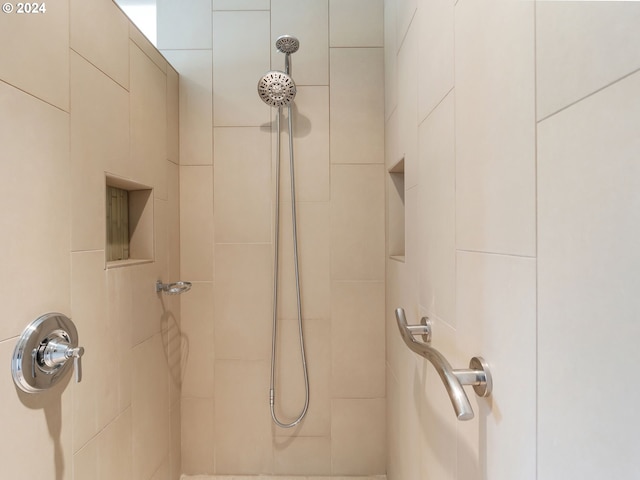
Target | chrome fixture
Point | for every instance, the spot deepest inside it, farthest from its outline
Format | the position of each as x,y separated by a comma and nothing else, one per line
477,374
277,89
173,288
41,357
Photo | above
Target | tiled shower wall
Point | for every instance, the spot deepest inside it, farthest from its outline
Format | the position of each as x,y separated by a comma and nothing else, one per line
518,125
221,49
83,93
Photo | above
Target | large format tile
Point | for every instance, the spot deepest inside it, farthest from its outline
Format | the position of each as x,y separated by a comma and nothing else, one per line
35,182
302,456
437,212
496,303
242,301
197,328
307,20
241,419
196,223
196,104
289,382
173,115
104,43
242,185
241,4
357,340
148,122
357,222
184,25
435,53
406,12
495,127
35,52
357,105
310,146
314,261
390,58
239,61
198,435
595,51
99,144
588,219
150,407
358,436
356,23
408,106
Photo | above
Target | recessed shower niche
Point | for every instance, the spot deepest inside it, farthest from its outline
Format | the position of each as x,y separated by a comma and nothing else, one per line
128,222
396,212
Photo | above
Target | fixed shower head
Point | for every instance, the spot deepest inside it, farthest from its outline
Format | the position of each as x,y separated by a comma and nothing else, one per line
287,44
276,89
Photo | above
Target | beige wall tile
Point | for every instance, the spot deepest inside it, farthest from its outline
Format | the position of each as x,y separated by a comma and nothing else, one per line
148,122
241,419
357,222
198,435
242,301
242,185
99,142
437,212
357,340
307,20
164,471
150,407
35,53
39,422
495,128
239,61
358,436
120,315
96,401
173,213
356,23
303,456
314,261
147,47
357,105
435,53
290,392
595,53
588,235
196,223
406,12
497,318
390,58
104,43
114,450
241,4
408,106
85,461
148,306
176,441
197,329
310,147
37,181
173,115
196,104
184,26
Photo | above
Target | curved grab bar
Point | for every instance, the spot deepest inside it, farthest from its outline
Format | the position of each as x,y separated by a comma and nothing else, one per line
477,375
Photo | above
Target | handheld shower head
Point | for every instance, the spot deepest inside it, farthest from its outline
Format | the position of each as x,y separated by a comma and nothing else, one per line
276,89
287,44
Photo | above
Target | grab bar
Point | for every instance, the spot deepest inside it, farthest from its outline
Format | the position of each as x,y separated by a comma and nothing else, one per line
477,374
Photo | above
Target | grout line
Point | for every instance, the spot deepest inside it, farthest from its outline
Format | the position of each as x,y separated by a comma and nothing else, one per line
40,99
444,97
590,95
535,179
101,71
480,252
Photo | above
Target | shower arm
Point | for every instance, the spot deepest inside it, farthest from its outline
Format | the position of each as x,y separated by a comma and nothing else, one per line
477,374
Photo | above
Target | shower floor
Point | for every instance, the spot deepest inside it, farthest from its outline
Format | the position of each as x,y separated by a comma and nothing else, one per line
279,477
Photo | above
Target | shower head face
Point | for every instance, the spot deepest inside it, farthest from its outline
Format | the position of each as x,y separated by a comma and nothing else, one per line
287,44
276,89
